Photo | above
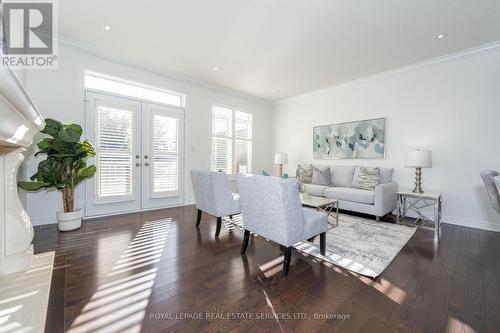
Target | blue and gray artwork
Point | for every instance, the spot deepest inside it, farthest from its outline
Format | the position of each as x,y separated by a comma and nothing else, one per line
360,139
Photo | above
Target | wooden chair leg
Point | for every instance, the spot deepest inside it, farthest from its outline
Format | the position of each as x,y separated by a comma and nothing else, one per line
246,238
219,224
322,243
287,260
198,219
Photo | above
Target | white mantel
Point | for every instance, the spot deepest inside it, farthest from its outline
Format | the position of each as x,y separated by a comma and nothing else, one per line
19,123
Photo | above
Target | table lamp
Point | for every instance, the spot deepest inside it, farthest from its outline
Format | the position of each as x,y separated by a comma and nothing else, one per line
418,159
280,159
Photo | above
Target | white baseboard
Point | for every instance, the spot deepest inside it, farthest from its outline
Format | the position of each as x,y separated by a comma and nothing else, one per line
43,220
471,223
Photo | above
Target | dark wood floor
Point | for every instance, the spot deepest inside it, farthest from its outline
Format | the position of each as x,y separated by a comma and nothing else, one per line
135,273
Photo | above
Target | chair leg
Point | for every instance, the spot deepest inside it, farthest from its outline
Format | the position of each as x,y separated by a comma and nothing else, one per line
219,224
322,243
286,262
246,238
198,219
231,217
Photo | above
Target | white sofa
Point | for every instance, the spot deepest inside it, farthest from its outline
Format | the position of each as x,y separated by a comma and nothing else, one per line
381,201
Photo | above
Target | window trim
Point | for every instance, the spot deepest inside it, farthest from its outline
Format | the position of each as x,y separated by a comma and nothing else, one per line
233,138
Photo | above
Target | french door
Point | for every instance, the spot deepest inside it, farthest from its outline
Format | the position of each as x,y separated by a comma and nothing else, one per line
139,155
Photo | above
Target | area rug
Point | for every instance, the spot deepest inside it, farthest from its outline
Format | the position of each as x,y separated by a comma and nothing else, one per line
361,245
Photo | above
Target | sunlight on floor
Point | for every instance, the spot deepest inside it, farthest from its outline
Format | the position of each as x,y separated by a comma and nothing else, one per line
395,293
24,296
456,325
120,304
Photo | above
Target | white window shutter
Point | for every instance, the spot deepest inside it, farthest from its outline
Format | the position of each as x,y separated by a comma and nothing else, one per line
165,154
114,158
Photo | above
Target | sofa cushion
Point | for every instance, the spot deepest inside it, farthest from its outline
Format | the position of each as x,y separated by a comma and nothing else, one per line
351,194
304,173
385,176
321,175
368,178
314,189
342,175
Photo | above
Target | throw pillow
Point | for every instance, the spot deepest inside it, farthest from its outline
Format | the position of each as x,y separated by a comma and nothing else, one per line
263,173
304,173
321,175
368,178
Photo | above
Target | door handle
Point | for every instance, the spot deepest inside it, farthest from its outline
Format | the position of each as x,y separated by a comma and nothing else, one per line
137,164
146,164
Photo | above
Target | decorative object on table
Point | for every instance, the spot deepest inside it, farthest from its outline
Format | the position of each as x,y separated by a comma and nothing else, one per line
416,202
321,175
418,159
358,139
491,180
367,178
280,159
64,168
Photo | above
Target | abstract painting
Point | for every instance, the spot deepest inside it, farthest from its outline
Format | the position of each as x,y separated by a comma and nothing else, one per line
358,139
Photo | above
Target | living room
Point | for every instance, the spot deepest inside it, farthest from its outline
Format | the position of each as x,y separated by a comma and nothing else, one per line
250,166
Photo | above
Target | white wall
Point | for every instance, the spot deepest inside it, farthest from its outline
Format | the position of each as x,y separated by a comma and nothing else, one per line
451,107
59,94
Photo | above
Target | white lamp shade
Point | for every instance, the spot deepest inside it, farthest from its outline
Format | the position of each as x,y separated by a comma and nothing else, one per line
280,158
419,159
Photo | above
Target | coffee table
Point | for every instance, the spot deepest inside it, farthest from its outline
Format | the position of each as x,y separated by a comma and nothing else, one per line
322,204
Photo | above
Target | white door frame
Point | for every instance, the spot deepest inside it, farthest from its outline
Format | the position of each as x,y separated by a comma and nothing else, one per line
183,175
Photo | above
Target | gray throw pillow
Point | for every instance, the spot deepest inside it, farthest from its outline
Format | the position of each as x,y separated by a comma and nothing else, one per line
321,175
368,178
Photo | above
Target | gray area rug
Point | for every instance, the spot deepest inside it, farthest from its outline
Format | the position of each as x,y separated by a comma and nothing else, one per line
358,244
361,245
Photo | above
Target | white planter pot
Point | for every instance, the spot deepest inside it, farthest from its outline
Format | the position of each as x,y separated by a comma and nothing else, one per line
69,221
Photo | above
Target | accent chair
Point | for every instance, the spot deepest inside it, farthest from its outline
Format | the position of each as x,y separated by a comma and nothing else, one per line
491,180
213,196
271,208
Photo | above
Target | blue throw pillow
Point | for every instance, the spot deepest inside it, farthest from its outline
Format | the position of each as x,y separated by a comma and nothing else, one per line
284,175
263,173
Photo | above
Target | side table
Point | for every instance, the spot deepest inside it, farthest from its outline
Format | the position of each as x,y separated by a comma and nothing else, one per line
416,202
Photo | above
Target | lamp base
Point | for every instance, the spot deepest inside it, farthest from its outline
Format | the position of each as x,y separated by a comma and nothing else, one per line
418,181
280,170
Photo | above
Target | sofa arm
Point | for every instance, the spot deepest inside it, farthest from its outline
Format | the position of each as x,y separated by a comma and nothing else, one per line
386,198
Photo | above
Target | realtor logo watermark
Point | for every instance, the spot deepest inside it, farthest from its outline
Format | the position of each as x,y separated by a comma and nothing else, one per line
29,34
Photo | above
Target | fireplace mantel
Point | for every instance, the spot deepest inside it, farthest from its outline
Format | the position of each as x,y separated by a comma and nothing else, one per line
19,123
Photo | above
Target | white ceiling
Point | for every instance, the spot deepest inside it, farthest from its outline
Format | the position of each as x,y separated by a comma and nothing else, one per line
278,48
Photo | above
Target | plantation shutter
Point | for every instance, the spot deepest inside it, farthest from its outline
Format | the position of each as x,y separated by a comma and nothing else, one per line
114,156
243,141
222,141
165,154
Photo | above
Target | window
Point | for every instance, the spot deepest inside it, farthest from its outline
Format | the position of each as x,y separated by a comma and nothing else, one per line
121,87
231,140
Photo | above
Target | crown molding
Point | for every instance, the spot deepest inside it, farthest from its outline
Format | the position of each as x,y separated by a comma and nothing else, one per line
467,53
74,45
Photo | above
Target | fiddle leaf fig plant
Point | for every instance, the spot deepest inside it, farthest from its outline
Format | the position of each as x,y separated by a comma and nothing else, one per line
66,164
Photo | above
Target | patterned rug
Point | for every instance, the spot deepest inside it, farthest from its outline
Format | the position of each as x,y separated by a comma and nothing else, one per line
358,244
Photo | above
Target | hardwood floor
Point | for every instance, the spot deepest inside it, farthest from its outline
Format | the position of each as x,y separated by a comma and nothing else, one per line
155,272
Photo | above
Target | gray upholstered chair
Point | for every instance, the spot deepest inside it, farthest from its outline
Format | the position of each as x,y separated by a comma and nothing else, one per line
212,195
491,179
271,208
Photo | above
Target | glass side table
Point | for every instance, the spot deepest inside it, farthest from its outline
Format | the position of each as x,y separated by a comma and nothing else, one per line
416,202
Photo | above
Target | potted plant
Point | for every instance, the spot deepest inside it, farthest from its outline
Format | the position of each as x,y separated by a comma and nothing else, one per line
64,168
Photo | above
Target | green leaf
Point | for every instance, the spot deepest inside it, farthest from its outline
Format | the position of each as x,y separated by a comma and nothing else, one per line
74,127
89,149
85,173
32,186
51,171
69,135
52,127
